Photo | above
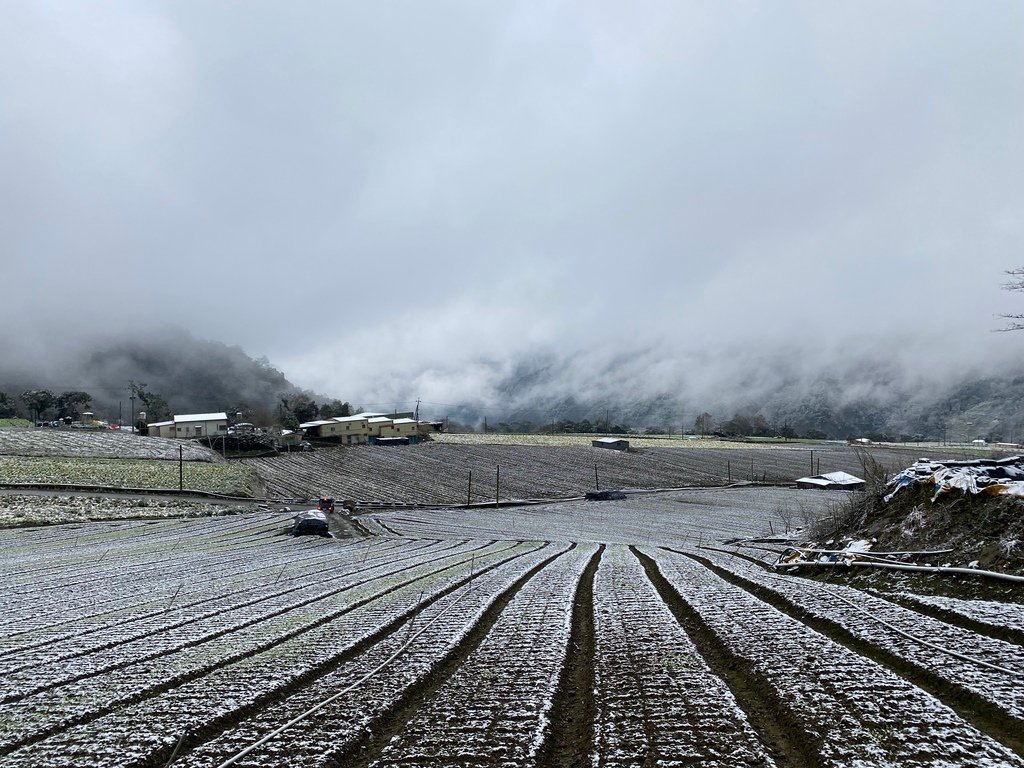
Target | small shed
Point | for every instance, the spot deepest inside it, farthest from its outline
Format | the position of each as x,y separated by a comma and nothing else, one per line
613,443
160,429
833,481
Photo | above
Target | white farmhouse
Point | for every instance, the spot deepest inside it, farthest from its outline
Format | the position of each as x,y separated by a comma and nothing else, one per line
200,424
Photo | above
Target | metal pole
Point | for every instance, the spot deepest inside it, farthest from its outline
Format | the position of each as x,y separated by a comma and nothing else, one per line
181,468
497,486
469,489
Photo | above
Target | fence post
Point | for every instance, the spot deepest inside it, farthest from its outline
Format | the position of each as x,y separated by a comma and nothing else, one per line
469,489
497,485
181,468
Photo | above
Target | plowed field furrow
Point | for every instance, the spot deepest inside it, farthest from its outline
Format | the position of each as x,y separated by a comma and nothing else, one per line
658,702
438,472
855,618
105,563
373,684
208,573
124,585
494,708
1004,620
55,709
674,517
220,568
158,636
854,710
246,686
111,444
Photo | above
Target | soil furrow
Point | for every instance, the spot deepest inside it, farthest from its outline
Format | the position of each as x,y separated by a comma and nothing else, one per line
569,741
217,727
198,672
983,715
379,734
769,715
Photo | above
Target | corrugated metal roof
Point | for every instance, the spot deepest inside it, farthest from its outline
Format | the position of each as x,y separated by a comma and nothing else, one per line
831,478
378,419
320,423
201,417
160,424
405,421
349,418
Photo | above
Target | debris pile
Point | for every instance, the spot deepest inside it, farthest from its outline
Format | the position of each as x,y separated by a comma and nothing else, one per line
989,476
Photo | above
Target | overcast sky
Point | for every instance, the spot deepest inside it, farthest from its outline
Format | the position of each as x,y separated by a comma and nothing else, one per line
474,181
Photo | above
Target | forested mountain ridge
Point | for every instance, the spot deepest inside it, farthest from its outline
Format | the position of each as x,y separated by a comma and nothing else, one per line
175,371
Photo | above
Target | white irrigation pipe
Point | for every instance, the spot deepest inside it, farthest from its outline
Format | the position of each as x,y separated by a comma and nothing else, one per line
898,631
317,707
916,568
908,636
871,551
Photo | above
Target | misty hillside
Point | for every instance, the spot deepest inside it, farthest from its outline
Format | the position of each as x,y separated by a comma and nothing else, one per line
863,394
191,375
866,394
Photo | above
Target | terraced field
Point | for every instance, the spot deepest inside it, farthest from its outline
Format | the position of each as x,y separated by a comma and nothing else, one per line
118,460
510,637
439,473
98,444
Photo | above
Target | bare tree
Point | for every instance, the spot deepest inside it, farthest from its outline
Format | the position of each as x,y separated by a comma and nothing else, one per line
1015,322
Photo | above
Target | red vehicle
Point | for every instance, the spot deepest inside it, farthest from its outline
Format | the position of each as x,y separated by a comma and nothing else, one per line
326,504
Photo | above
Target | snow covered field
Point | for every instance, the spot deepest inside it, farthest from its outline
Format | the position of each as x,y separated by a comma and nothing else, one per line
589,634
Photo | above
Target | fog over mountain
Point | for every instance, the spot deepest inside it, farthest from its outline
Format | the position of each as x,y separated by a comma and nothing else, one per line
507,210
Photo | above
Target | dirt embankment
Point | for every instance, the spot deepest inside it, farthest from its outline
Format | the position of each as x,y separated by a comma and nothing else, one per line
981,529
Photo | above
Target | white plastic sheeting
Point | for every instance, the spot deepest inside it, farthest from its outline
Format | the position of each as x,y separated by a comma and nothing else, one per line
991,476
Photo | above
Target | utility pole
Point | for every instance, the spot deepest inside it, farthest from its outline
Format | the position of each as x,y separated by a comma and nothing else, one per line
417,409
132,398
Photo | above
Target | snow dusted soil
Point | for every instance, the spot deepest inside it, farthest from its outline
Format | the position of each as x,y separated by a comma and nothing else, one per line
98,444
438,473
575,634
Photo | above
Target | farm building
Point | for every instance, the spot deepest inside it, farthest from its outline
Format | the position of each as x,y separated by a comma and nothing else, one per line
349,430
835,481
200,424
401,428
317,428
377,424
190,425
160,429
613,443
352,429
365,428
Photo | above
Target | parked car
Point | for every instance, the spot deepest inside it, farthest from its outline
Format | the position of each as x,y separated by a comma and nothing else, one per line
325,504
311,522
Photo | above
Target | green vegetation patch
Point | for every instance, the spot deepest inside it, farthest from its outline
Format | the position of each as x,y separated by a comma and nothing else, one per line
18,510
15,423
225,478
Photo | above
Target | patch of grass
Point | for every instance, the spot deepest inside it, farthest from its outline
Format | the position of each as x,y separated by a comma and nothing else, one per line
15,423
212,477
